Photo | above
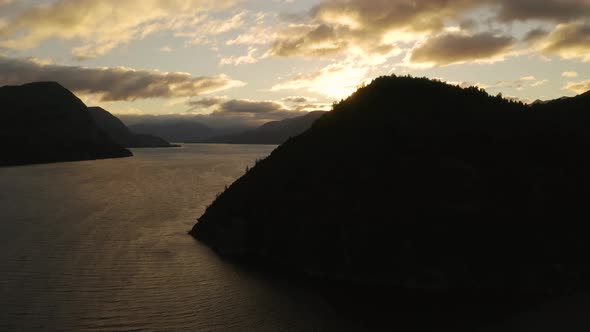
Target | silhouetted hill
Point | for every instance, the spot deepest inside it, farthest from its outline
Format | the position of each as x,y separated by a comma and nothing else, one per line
275,132
176,131
44,122
566,104
415,183
120,134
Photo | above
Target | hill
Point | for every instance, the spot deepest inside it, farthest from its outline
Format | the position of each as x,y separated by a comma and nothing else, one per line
418,184
275,132
120,134
44,122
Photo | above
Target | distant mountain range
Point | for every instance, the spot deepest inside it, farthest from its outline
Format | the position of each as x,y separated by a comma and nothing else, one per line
44,122
275,132
120,134
190,131
178,131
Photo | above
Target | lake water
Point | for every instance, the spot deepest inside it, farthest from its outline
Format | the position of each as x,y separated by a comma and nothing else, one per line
103,245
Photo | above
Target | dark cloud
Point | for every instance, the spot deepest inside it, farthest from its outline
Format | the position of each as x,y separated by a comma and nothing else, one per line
299,99
322,40
383,15
550,10
453,48
468,24
248,106
236,105
112,84
535,35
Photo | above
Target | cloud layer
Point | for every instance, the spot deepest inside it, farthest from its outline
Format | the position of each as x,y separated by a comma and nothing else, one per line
101,25
454,48
378,28
113,84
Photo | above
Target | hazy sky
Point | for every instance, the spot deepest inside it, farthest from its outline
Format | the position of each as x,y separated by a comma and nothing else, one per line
257,60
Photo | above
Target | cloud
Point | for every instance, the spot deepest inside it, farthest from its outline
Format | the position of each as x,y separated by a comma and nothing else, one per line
113,84
238,105
299,99
204,28
518,84
384,28
456,48
549,10
335,81
539,83
569,74
363,28
318,41
244,59
535,35
260,32
578,87
569,41
224,112
101,25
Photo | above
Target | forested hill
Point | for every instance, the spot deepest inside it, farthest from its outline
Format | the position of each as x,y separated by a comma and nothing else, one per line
415,183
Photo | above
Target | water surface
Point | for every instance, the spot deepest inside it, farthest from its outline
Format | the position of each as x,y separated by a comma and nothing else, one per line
103,245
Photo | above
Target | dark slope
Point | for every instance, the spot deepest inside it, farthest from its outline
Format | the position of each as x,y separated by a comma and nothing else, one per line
44,122
175,130
568,105
275,132
414,183
120,134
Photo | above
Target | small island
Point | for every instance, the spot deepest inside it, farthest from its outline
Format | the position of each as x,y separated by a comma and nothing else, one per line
418,184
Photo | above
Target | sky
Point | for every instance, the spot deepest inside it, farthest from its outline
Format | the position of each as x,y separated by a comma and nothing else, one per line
246,62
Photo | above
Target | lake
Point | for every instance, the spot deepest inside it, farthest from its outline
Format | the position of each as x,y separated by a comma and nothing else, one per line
103,245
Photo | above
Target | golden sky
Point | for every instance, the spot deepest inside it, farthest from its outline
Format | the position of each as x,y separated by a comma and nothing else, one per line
247,62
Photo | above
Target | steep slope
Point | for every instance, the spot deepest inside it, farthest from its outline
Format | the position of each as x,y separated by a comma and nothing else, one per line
44,122
120,134
415,183
275,132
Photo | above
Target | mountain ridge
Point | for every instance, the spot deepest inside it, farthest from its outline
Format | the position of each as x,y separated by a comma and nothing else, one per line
44,122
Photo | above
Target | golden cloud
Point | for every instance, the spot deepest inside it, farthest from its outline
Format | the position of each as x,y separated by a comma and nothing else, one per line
578,87
113,84
570,41
101,24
